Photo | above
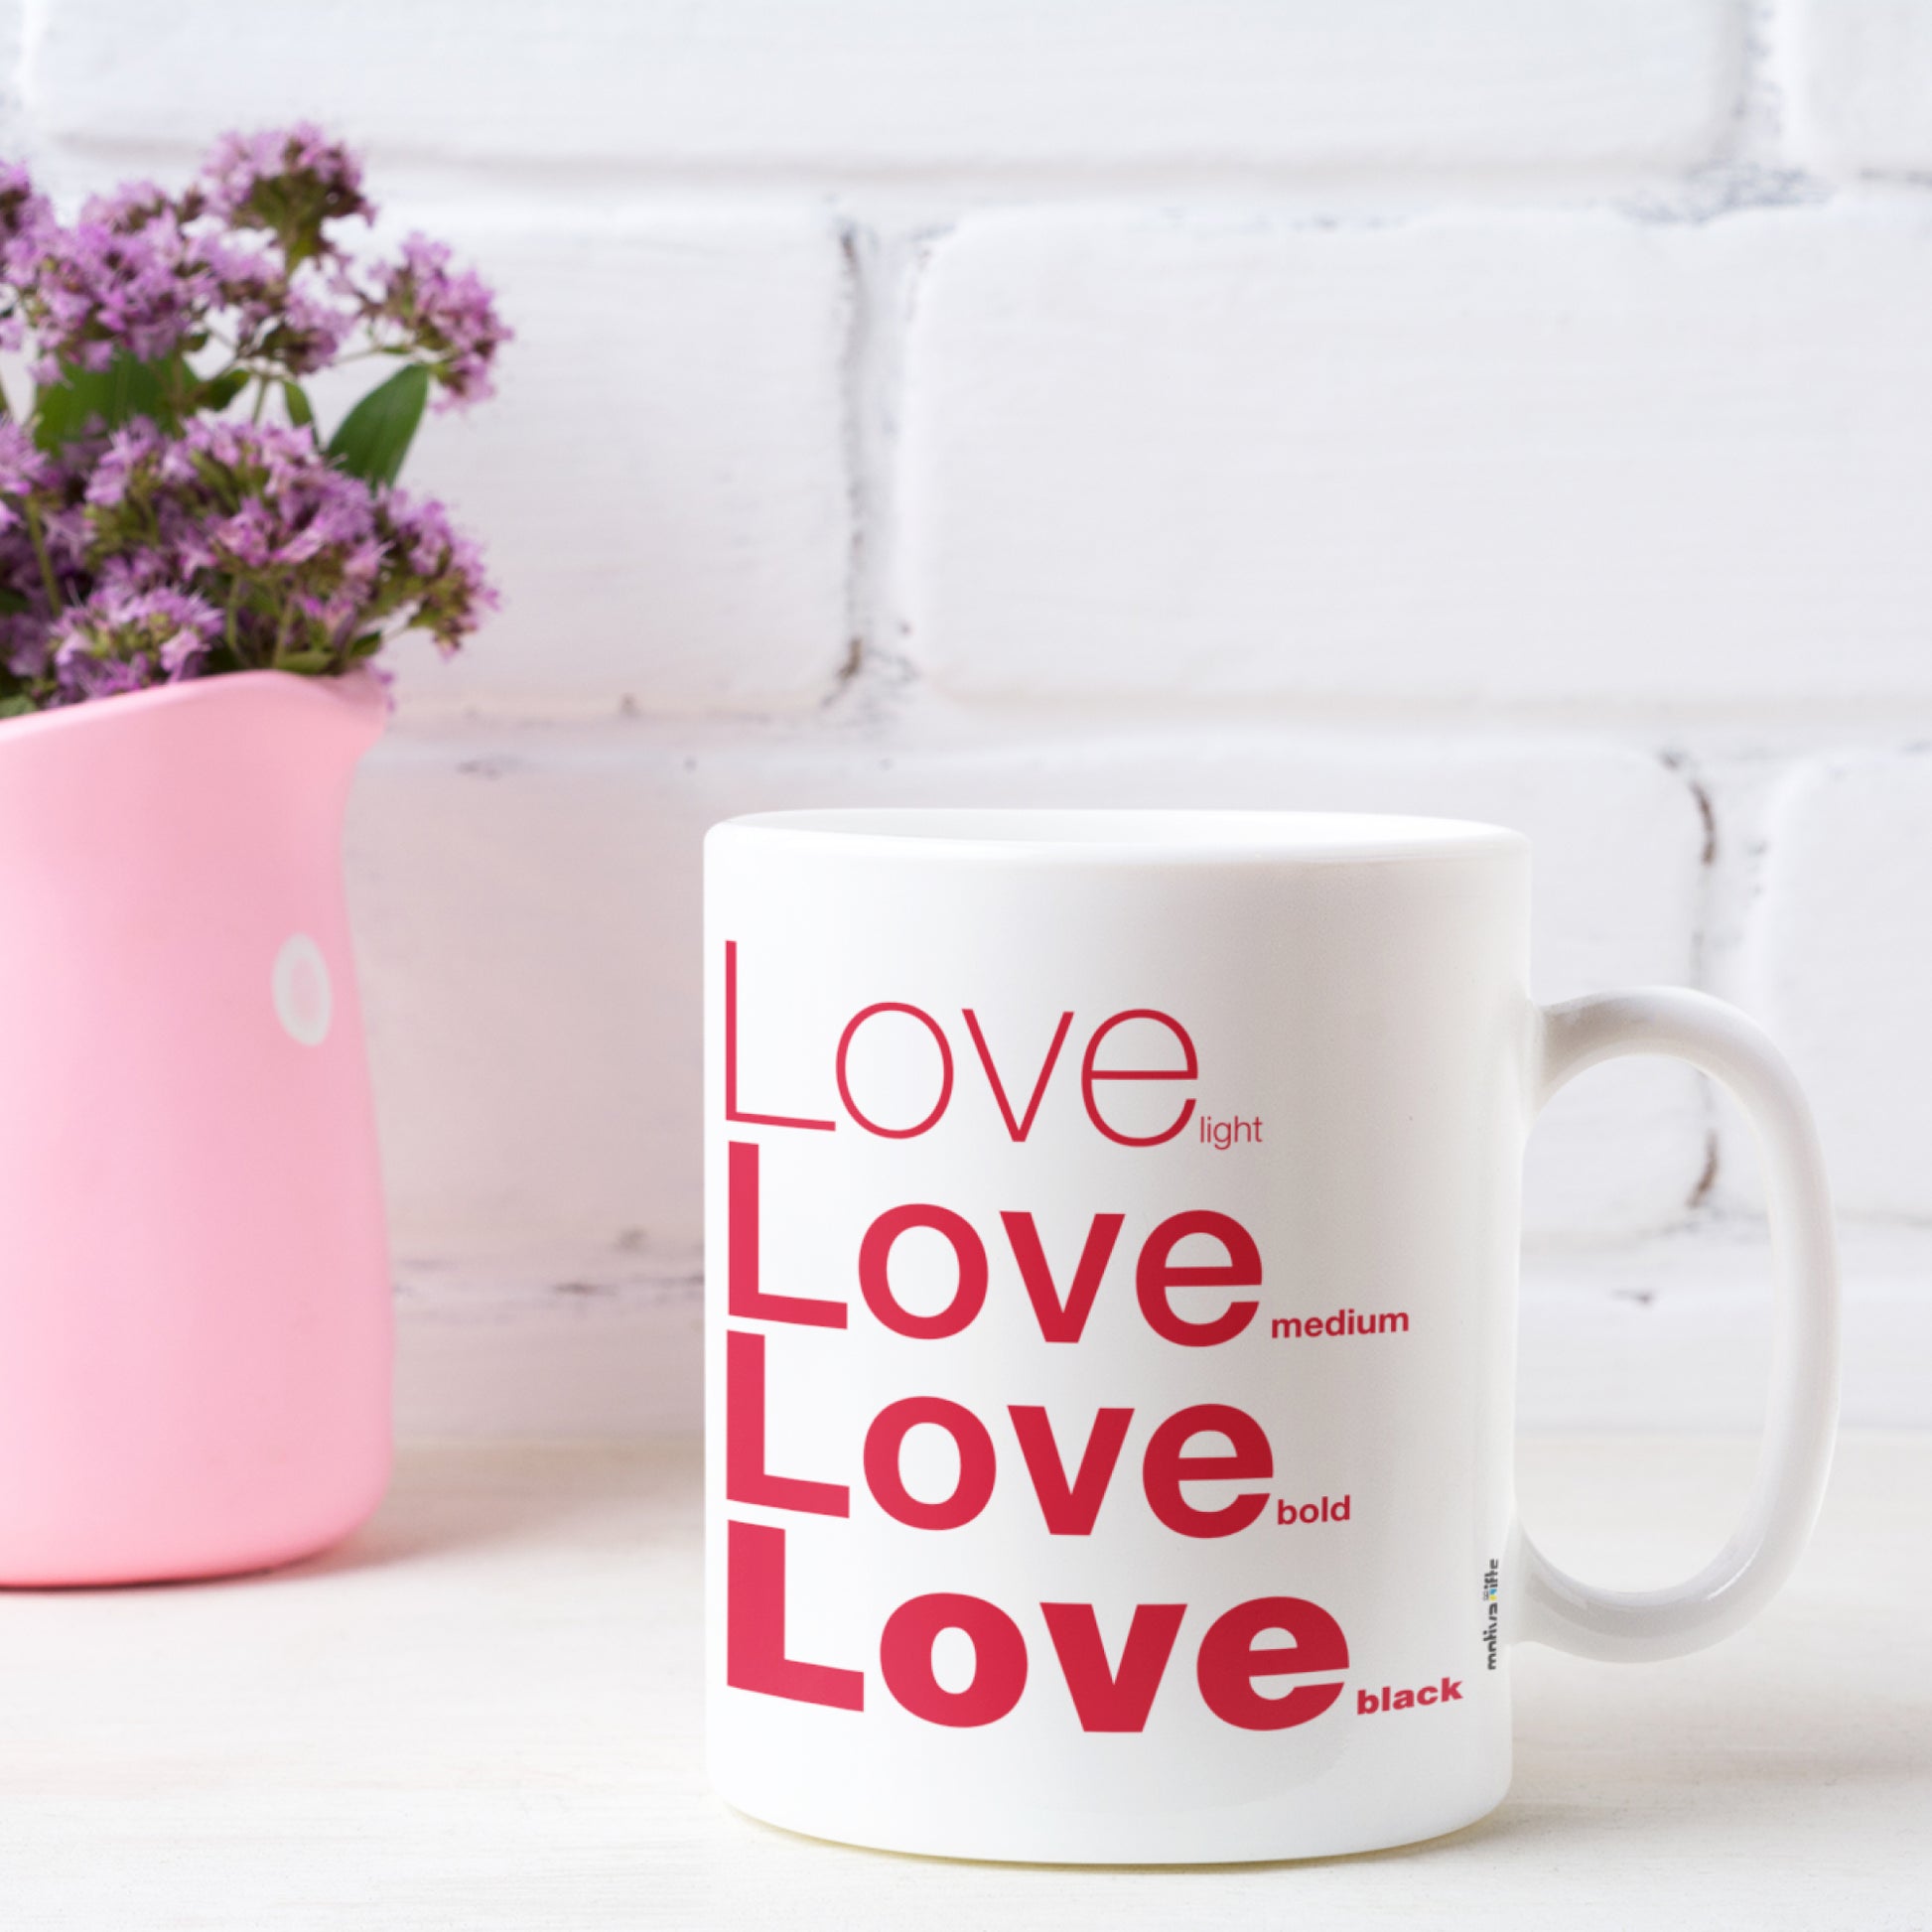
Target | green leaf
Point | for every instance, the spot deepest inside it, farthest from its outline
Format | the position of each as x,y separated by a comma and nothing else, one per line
300,413
306,663
124,388
375,435
17,706
221,390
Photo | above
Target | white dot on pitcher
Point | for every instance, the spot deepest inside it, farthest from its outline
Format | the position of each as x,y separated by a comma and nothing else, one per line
304,1000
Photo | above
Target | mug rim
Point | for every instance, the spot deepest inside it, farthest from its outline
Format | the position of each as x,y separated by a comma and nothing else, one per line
1102,835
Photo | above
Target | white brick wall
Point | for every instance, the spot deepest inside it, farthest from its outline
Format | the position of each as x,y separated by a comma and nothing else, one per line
1514,410
1861,83
1489,455
663,468
1843,932
912,84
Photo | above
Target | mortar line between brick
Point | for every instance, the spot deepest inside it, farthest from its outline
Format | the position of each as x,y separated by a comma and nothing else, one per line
1763,735
1683,765
862,535
883,267
1764,114
945,189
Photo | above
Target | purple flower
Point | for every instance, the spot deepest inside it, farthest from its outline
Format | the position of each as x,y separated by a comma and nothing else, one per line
134,444
125,277
21,209
444,567
23,646
291,182
177,541
23,216
449,318
241,162
239,496
122,641
24,471
306,329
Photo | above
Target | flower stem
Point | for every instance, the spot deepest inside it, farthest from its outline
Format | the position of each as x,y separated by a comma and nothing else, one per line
48,582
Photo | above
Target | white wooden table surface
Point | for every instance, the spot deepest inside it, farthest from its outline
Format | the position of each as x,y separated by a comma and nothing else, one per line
483,1713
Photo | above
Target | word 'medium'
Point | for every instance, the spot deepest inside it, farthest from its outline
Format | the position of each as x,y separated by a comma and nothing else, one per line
1187,1305
1344,1321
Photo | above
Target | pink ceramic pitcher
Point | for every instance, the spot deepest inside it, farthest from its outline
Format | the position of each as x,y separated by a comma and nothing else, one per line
195,1333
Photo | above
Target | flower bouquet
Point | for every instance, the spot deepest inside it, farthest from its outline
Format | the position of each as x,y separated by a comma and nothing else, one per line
195,586
167,506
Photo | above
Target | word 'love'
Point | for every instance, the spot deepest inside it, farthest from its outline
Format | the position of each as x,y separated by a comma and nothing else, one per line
1185,1303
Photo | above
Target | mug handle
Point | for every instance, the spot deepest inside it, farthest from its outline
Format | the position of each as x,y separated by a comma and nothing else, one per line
1637,1625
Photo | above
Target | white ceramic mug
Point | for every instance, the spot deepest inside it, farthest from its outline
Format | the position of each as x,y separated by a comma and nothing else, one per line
1113,1228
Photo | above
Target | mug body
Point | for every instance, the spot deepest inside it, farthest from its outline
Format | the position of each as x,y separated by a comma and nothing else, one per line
1112,1232
195,1315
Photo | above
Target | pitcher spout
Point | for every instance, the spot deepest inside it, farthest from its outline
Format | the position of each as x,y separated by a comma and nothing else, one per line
362,696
